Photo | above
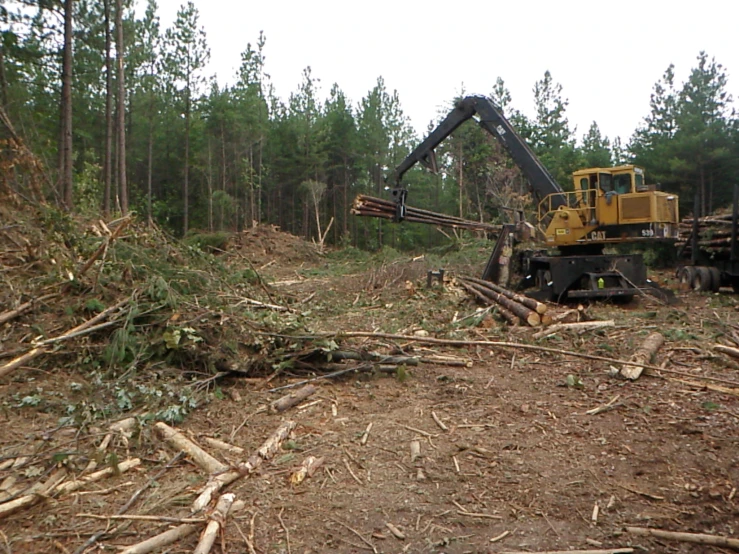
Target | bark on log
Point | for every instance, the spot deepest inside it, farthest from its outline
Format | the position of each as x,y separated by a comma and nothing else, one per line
695,538
576,327
733,352
15,363
217,520
507,314
57,489
643,356
292,399
220,445
161,540
538,307
371,356
378,207
597,551
266,451
526,314
7,316
180,442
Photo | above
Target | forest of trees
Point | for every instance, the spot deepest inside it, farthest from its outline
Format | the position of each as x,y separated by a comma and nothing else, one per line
123,117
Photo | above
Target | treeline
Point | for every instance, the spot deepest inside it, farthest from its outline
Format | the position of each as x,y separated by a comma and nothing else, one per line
123,115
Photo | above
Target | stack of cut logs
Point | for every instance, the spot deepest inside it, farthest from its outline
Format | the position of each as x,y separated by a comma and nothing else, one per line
377,207
513,307
714,233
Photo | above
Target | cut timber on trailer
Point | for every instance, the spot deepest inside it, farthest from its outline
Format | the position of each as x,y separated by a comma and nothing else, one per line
713,251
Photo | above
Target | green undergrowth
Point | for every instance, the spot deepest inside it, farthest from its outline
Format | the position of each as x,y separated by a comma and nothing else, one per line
183,318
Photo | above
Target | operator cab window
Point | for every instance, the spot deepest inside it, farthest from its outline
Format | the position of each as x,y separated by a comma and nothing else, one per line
639,181
606,182
622,183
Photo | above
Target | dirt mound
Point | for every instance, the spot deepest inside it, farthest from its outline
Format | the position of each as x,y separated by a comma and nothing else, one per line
267,244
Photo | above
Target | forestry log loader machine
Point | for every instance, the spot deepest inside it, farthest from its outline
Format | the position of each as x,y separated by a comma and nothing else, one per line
608,206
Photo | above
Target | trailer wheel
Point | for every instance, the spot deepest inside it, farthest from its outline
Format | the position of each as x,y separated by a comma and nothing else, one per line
715,279
685,275
702,279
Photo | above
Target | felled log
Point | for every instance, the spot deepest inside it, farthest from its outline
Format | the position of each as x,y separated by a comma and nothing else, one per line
642,356
220,480
526,314
292,399
506,314
57,489
180,442
221,445
577,327
695,538
538,307
23,308
217,520
171,536
372,356
15,363
627,550
369,206
162,539
728,350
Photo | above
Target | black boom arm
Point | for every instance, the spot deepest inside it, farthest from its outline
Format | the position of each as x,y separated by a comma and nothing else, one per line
490,118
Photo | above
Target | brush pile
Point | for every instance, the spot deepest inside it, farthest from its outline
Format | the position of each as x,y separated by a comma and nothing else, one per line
513,307
369,206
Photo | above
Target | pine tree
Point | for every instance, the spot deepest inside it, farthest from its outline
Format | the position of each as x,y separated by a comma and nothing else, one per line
187,56
596,149
550,136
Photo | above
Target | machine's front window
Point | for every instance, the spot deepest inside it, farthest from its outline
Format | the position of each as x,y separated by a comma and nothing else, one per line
622,183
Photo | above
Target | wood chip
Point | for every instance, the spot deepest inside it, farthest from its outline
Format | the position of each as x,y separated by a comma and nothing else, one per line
397,533
415,450
365,435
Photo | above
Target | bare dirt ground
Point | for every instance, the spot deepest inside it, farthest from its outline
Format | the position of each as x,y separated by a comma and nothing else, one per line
510,459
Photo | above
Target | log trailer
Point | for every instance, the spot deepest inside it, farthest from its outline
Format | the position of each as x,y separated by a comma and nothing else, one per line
608,206
711,244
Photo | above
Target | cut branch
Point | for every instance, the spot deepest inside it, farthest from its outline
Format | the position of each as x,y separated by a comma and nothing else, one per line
501,344
265,452
292,399
23,308
217,520
644,354
695,538
60,489
180,442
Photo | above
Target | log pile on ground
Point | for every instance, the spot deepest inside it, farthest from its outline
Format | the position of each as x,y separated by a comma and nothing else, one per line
714,233
377,207
513,307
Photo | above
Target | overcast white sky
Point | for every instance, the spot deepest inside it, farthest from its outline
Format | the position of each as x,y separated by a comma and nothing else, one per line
606,55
